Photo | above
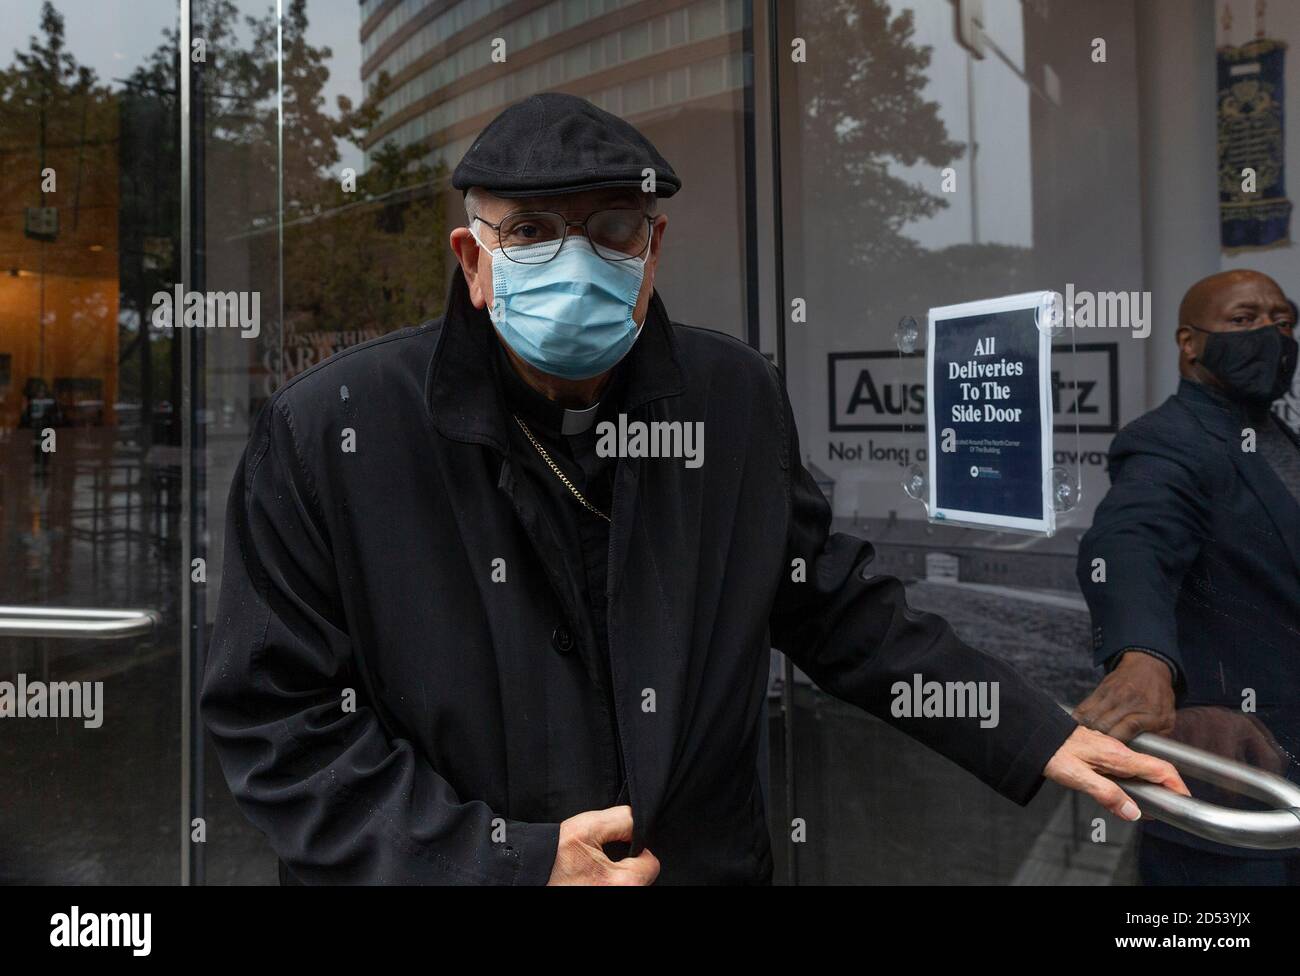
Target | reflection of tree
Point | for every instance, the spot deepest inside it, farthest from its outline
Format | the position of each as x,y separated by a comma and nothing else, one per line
373,257
58,122
44,84
149,226
864,111
363,258
960,273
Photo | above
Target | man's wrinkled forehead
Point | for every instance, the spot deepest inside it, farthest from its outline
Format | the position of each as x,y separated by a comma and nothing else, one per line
581,202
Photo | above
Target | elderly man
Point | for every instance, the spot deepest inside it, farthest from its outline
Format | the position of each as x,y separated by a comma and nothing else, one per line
466,635
1199,537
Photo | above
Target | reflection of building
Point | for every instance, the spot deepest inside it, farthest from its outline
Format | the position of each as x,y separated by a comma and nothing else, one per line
59,265
674,68
635,58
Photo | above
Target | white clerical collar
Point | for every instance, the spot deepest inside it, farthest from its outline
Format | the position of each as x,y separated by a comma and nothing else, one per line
577,421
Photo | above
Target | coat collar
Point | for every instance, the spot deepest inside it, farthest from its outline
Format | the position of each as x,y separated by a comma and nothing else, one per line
1219,416
461,391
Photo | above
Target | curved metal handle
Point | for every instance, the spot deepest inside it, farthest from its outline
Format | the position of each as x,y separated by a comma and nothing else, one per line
77,622
1262,830
1266,830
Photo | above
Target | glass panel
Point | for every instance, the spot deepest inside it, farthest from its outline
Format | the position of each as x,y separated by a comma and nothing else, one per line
238,230
338,240
872,237
335,261
924,168
90,463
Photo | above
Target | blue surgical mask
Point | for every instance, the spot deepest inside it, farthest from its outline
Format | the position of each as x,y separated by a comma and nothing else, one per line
570,317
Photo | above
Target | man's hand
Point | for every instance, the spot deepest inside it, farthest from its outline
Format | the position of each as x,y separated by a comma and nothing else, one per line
1236,735
1086,755
580,858
1138,696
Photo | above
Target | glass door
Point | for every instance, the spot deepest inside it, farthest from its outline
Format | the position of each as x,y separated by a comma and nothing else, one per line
208,198
930,159
325,132
90,445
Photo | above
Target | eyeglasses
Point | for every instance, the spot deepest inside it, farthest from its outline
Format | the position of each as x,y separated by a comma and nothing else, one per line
536,237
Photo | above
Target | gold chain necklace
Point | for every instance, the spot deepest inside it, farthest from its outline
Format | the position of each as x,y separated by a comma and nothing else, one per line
558,473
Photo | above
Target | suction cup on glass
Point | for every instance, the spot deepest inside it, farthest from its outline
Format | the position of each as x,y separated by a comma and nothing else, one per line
1066,491
1050,314
914,484
906,334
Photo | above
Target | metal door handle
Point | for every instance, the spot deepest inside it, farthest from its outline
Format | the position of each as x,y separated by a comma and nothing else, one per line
1262,830
77,622
1266,830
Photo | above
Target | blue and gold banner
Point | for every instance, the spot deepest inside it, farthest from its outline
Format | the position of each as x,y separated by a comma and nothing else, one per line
1252,136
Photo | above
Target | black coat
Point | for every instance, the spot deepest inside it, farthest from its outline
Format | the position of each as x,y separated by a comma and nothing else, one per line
1201,542
372,571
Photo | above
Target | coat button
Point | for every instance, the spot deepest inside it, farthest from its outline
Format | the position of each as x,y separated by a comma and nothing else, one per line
562,639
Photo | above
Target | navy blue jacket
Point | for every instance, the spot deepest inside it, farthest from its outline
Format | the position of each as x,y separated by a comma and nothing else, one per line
1201,542
372,571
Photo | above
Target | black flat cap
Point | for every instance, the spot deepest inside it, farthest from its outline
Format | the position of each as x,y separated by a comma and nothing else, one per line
557,143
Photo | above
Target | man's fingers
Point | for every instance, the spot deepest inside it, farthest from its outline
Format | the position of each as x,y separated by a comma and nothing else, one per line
1108,795
1088,758
1136,765
639,870
611,825
1126,726
1123,718
1260,750
1087,710
580,856
1162,773
1106,709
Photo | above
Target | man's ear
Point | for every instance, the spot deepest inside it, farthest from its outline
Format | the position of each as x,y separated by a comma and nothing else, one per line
656,242
1187,343
468,253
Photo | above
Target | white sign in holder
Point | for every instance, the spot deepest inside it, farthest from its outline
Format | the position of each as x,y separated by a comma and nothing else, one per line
989,398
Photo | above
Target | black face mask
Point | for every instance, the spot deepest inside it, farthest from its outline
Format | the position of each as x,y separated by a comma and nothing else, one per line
1255,365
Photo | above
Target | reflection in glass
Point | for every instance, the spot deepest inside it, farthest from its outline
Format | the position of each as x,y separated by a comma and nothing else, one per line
89,464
